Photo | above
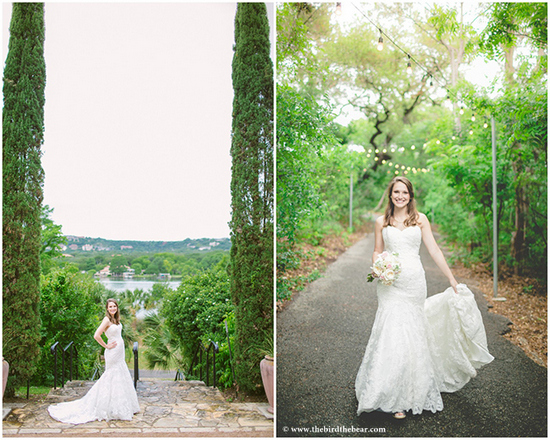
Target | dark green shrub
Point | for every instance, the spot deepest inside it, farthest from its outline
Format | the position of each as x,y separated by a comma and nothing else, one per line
71,309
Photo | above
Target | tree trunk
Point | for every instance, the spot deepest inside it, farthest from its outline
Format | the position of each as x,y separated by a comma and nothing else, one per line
521,211
509,69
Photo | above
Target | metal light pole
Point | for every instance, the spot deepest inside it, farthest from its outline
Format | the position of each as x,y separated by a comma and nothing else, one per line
495,226
350,200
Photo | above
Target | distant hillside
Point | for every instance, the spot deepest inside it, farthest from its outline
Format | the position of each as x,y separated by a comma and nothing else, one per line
86,244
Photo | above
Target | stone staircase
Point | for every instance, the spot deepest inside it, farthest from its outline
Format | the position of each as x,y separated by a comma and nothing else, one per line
167,408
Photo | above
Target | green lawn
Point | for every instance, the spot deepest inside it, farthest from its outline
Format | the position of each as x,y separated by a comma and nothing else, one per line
22,391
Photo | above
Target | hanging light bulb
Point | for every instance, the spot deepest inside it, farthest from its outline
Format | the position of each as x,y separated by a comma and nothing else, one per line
380,41
409,67
471,132
448,100
473,118
485,125
338,8
461,110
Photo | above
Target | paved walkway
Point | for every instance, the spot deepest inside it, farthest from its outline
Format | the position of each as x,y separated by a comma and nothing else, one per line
321,339
168,408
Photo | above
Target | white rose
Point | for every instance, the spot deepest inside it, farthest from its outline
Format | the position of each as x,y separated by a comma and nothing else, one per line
389,275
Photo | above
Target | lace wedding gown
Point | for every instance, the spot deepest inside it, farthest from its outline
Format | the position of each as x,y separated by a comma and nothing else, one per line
112,397
418,347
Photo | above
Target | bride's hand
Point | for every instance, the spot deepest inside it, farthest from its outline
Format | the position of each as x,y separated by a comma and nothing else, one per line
454,284
111,345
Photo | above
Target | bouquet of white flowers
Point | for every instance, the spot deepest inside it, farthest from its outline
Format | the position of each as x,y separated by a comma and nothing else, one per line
386,268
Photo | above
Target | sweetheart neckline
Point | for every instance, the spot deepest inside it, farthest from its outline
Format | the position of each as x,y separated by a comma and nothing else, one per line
402,230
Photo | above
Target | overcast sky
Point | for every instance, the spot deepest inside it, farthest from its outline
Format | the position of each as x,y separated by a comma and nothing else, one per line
138,118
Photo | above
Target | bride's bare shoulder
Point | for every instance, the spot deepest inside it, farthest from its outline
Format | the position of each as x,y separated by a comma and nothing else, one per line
422,219
379,221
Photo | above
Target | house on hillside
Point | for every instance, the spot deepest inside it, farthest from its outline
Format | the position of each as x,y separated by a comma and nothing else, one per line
129,274
105,272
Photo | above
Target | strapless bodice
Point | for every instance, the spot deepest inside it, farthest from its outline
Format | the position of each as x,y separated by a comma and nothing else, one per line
114,331
404,242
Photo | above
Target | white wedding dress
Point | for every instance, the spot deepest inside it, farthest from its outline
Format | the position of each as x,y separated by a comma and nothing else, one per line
418,347
112,397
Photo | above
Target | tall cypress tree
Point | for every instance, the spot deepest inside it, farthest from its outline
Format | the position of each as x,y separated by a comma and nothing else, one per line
23,177
251,224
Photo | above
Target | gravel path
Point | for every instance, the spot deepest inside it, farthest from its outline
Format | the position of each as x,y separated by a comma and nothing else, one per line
321,339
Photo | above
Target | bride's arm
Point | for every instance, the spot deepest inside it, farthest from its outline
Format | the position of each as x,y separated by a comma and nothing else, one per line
378,239
97,335
435,251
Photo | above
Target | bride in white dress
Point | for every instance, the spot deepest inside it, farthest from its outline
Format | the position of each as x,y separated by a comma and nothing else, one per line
113,396
418,347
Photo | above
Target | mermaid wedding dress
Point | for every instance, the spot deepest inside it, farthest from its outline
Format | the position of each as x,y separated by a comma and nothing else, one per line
418,347
112,397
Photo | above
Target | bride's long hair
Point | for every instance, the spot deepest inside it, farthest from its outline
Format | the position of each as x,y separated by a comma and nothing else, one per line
412,219
115,319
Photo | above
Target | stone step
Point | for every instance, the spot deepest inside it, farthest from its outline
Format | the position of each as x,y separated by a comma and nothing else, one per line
169,390
167,408
155,374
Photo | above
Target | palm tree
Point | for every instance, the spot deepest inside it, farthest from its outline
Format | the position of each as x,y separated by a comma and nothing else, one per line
163,349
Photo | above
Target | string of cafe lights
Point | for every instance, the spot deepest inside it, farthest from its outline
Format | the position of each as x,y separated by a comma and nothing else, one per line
399,168
431,77
380,47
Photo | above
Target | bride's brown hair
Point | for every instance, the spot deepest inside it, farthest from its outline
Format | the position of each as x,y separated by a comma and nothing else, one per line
116,318
412,219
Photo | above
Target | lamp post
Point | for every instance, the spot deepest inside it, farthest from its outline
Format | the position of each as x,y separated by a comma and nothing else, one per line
495,224
350,200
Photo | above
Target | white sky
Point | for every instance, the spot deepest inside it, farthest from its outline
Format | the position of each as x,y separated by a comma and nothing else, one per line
138,118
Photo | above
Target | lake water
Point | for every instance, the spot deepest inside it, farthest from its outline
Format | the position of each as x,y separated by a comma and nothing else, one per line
145,285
